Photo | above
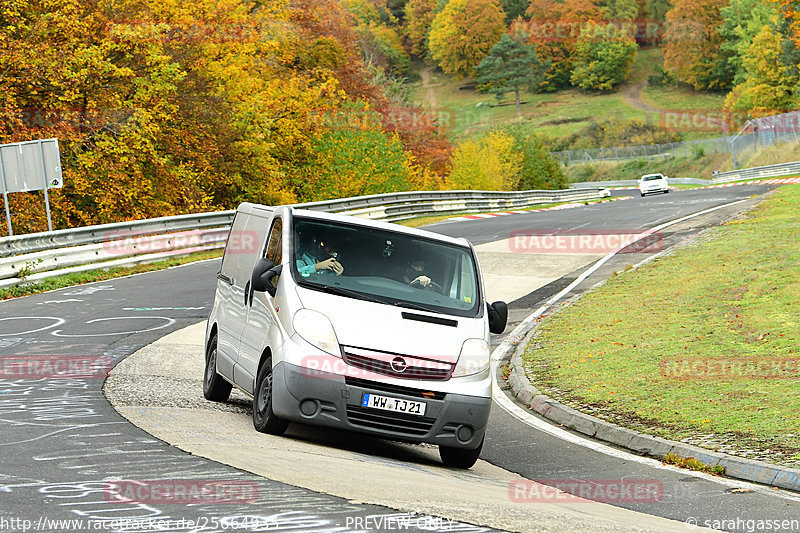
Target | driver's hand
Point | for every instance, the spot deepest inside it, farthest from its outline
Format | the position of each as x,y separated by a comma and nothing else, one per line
423,280
331,264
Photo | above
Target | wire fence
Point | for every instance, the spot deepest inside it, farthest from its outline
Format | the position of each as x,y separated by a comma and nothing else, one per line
755,133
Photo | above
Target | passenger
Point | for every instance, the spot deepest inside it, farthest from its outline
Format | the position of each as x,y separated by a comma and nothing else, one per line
309,261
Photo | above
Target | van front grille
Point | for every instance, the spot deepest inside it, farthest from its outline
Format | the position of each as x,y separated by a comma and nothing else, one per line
387,364
411,425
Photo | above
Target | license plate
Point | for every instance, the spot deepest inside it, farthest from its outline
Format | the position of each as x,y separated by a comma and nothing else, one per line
397,405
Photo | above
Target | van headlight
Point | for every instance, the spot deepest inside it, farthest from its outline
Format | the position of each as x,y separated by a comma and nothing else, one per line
474,358
317,330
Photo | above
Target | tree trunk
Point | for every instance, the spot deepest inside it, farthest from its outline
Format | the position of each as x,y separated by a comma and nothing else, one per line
519,111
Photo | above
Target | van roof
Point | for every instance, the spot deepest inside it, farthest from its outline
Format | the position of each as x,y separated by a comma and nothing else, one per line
359,221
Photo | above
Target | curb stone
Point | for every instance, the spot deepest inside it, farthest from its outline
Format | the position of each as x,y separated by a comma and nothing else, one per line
735,467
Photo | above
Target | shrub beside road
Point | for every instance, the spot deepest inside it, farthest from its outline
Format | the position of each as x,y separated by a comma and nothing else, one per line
701,344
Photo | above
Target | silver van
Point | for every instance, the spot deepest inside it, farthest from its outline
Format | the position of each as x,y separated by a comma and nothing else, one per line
355,324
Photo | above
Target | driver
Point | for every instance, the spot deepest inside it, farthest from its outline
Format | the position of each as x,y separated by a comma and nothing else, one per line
415,272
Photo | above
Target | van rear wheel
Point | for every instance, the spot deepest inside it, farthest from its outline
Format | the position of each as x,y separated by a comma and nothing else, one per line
264,419
215,388
459,457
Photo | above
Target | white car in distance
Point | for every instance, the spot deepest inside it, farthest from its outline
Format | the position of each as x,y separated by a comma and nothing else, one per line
650,183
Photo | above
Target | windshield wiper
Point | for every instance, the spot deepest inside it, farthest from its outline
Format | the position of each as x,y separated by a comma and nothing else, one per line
410,305
346,292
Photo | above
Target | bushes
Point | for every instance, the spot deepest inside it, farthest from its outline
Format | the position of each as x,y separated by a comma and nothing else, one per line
538,170
355,157
511,159
616,132
488,164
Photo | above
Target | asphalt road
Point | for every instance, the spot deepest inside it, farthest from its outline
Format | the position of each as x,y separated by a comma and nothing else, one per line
61,442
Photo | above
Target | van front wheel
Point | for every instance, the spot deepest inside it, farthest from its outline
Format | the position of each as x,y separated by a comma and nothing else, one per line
264,420
459,457
215,388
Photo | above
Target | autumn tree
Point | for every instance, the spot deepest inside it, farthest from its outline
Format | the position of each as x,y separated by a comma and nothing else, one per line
514,9
163,107
419,15
790,11
510,67
770,87
489,163
693,51
603,57
742,20
618,10
554,27
463,33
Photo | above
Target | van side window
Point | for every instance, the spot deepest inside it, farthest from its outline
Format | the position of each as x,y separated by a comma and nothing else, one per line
229,259
274,241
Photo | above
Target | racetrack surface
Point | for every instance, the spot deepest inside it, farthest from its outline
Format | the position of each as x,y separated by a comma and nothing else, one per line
62,441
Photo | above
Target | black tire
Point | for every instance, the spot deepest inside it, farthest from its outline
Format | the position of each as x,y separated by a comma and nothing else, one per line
642,195
215,388
264,419
459,457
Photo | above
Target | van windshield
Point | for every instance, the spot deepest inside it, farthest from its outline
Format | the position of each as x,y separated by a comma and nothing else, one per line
391,268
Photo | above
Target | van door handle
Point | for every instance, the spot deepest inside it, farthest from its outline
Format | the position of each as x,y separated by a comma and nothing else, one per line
246,293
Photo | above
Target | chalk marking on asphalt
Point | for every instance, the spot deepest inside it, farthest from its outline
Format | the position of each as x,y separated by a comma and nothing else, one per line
58,322
169,322
524,416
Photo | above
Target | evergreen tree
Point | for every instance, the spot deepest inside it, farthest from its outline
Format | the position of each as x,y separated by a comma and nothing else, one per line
510,67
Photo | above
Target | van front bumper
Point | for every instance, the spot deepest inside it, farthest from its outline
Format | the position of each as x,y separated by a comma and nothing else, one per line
326,399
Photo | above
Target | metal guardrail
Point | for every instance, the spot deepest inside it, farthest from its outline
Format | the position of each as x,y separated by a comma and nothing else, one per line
634,183
36,256
768,171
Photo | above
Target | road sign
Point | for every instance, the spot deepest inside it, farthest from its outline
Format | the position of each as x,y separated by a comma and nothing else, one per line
30,166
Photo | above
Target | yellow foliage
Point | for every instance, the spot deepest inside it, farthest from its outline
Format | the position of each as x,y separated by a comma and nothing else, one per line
488,164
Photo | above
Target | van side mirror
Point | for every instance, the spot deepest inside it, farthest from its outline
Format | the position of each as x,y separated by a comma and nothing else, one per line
498,317
264,271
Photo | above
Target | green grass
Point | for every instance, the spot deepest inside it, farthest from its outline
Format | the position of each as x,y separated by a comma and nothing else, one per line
735,297
79,278
467,113
679,97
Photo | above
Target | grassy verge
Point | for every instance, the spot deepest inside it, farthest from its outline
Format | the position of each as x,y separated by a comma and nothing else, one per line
79,278
703,342
694,166
680,167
